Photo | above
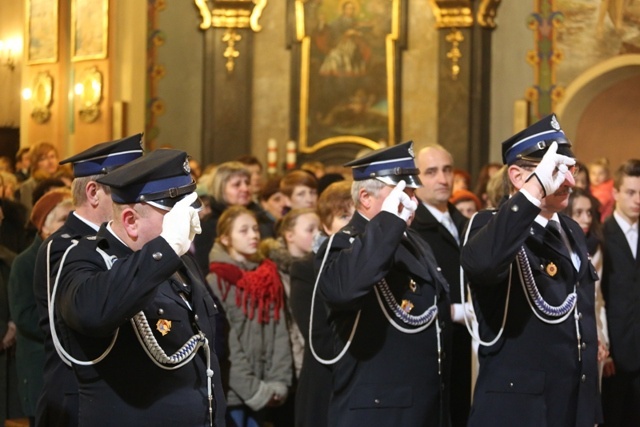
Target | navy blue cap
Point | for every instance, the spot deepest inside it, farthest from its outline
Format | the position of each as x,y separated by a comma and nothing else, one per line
389,165
160,178
533,142
104,157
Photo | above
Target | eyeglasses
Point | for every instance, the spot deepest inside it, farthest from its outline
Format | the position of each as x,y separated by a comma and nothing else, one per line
574,169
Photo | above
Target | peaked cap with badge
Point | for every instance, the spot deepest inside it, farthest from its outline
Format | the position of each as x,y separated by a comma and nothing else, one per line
105,157
160,178
532,143
389,165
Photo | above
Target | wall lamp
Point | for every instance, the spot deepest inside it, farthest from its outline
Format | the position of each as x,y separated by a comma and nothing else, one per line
9,49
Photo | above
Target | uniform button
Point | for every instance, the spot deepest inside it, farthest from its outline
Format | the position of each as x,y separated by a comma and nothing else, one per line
580,316
583,378
584,345
157,256
439,269
376,401
515,208
195,317
511,385
160,312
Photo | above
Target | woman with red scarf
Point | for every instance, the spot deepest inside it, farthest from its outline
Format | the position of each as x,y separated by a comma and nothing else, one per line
251,295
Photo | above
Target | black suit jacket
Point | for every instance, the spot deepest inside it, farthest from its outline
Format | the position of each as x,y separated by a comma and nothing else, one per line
387,377
534,375
621,291
447,253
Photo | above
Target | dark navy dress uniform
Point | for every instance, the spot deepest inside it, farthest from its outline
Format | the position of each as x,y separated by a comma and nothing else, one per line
58,403
127,388
387,377
104,285
538,373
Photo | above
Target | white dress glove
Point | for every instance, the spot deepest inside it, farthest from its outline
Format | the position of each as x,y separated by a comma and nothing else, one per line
181,224
398,197
551,170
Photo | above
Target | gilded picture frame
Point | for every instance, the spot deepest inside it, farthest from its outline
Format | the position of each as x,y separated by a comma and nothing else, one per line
41,30
347,89
89,29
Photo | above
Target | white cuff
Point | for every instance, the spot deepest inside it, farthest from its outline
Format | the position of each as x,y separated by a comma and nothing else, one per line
529,197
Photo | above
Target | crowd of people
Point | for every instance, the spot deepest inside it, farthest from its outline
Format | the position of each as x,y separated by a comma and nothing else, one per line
142,289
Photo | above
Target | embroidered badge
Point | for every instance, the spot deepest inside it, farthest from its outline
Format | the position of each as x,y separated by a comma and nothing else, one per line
186,167
554,123
406,306
163,326
551,269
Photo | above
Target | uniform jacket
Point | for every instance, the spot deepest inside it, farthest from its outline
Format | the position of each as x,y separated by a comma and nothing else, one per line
387,377
127,388
447,253
30,338
260,353
58,403
532,376
621,290
314,384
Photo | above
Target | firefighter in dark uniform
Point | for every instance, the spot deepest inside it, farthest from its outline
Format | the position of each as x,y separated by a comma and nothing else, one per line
137,322
58,402
533,291
388,304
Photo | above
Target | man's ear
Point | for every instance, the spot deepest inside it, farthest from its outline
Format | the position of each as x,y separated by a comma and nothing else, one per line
91,191
129,219
365,198
518,176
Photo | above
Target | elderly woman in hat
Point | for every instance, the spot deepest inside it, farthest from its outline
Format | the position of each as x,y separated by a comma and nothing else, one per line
47,215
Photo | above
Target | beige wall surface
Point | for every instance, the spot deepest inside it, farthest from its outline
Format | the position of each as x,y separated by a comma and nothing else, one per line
11,24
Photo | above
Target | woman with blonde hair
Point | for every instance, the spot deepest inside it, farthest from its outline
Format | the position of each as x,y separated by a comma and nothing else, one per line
229,186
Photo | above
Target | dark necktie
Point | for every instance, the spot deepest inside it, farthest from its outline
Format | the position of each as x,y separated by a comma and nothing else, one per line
553,227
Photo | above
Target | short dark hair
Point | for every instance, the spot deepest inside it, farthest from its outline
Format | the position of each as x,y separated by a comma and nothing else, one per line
629,168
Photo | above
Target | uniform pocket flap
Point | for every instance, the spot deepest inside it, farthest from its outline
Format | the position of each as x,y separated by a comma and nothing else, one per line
517,381
381,396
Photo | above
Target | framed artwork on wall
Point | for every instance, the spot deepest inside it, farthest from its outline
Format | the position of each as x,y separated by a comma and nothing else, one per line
42,31
89,29
347,68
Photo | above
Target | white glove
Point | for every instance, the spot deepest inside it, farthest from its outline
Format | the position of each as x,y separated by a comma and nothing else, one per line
398,197
551,170
181,224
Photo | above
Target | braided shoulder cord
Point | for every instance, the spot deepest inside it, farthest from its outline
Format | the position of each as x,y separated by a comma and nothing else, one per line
423,320
561,312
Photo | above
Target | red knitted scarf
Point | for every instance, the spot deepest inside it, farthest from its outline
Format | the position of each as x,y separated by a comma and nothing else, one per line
260,288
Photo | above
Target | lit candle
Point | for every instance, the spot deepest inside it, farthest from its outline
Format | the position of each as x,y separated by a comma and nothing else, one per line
291,155
272,156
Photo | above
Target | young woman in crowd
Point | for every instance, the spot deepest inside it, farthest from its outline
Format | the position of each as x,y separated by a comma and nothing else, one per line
584,209
252,296
301,188
602,186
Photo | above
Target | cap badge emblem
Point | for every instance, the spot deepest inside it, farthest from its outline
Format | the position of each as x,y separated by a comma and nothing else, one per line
411,151
554,123
163,326
186,166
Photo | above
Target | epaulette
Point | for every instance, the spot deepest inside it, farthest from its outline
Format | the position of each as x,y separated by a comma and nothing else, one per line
92,237
65,236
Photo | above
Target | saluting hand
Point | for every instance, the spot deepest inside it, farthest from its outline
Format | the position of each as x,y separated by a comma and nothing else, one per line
181,224
552,170
399,203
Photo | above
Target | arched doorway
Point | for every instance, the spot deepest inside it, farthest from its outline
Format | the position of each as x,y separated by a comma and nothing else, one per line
599,111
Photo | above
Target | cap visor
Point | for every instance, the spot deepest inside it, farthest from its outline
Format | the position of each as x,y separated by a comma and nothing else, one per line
167,204
412,180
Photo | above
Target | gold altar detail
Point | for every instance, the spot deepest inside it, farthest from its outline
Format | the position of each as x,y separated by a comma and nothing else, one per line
231,14
230,38
452,13
455,37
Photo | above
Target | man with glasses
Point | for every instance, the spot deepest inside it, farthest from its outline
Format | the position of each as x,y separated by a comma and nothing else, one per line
533,292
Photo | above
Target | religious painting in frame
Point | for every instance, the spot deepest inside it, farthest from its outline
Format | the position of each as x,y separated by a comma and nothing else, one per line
346,82
89,29
42,31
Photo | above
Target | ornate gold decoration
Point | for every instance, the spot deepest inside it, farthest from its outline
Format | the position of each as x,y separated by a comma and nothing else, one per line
163,326
455,37
42,97
453,13
89,91
487,11
551,269
230,38
231,14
